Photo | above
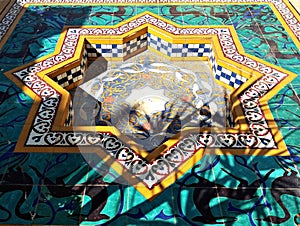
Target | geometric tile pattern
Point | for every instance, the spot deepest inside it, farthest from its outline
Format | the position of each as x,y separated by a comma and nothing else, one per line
73,75
232,79
117,50
224,75
228,77
282,7
69,119
258,137
134,44
42,197
178,50
105,50
150,40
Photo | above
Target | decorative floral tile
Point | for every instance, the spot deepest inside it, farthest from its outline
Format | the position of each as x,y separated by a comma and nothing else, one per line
272,37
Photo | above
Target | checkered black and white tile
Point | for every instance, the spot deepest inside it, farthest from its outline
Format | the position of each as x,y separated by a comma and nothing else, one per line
149,40
75,74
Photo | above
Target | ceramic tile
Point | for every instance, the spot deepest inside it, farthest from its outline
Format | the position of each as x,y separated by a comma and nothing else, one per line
217,14
263,15
222,73
77,15
285,107
72,167
294,69
23,209
290,135
201,15
239,14
98,168
57,207
292,161
146,212
10,132
74,185
151,8
237,211
288,118
280,213
110,15
100,203
232,170
288,95
198,206
174,13
103,15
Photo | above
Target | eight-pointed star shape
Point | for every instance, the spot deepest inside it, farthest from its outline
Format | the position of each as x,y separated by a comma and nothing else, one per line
252,80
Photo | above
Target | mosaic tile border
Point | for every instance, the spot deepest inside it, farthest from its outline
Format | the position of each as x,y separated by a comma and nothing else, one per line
224,75
73,75
256,136
149,40
283,7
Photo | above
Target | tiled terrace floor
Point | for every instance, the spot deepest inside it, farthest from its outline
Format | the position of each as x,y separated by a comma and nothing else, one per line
63,164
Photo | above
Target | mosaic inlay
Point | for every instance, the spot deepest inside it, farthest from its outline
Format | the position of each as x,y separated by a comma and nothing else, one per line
127,112
255,133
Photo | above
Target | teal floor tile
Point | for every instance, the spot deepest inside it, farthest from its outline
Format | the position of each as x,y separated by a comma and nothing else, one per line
56,209
151,8
290,135
25,196
78,189
280,212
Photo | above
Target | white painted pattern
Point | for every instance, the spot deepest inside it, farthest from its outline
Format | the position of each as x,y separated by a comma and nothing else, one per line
260,136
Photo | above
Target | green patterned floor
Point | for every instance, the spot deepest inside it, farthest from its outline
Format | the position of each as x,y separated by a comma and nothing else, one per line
48,188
